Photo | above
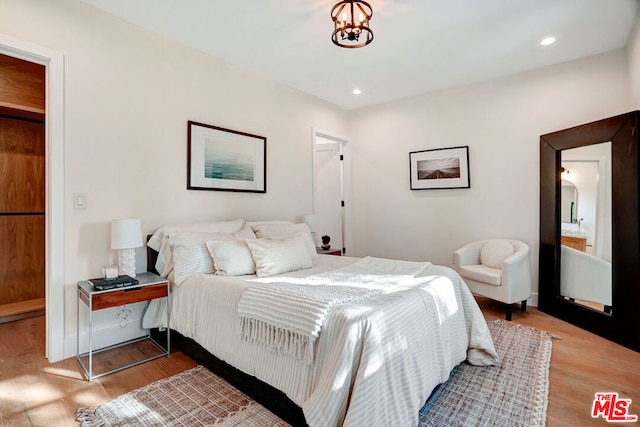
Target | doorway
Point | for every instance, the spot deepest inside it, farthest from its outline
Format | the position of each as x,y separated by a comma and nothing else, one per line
22,198
54,175
329,198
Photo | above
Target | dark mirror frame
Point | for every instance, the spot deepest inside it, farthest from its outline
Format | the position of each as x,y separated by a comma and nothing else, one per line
623,325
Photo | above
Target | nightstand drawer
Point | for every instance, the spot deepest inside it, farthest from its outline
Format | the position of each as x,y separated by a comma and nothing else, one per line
128,296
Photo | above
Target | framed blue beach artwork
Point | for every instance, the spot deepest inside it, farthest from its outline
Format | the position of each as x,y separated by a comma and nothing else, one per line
220,159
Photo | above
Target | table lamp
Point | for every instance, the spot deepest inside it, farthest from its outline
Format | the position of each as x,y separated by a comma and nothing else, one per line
126,235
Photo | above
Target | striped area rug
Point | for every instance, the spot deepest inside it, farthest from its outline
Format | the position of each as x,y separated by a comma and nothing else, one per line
512,394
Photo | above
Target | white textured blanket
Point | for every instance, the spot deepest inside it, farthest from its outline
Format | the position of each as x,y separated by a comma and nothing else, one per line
288,316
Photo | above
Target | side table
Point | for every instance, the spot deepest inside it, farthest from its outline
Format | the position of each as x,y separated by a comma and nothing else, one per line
150,286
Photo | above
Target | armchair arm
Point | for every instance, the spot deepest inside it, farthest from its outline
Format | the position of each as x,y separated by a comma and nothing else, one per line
516,273
468,254
521,254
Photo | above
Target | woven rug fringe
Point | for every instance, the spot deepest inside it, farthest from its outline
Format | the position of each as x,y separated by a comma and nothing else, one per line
503,322
541,400
87,417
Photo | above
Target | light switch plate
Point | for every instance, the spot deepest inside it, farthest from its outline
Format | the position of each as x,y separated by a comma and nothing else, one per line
79,201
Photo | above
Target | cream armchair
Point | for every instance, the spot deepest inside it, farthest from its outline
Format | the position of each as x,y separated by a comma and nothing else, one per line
499,269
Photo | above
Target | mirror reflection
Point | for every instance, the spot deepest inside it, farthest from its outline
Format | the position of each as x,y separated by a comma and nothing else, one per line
569,196
585,256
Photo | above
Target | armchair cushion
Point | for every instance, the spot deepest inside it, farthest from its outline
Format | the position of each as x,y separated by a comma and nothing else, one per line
495,251
482,273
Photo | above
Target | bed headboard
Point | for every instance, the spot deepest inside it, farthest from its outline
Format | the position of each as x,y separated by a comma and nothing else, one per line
152,256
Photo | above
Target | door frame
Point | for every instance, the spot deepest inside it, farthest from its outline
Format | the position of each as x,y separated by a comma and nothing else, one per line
54,186
345,172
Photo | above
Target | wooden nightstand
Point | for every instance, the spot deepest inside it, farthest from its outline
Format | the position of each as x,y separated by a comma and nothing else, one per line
330,251
150,286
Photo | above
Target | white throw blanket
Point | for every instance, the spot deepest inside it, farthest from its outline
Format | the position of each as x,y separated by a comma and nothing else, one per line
288,316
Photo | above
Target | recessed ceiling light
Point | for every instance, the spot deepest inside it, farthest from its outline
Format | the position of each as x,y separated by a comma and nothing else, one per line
357,91
547,41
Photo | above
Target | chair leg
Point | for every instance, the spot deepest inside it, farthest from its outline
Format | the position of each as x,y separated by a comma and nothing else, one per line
523,305
507,310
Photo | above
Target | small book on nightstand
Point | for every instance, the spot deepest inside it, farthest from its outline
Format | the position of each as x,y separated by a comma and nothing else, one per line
101,284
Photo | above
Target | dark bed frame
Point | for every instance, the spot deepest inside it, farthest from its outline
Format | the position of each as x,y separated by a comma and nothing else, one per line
270,397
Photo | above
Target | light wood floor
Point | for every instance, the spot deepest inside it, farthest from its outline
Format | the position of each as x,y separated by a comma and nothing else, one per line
582,364
36,393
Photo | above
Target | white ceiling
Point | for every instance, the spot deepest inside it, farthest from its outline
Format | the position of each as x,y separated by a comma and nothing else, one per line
419,46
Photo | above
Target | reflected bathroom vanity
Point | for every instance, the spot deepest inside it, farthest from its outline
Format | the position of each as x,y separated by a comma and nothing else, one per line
575,242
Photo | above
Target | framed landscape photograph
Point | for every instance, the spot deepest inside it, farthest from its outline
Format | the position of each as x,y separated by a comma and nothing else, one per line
439,168
225,160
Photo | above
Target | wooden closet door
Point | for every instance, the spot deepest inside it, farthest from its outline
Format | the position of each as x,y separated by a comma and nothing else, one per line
21,258
22,210
21,166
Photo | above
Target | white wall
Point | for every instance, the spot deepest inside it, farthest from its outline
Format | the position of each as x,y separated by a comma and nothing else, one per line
128,97
633,50
501,121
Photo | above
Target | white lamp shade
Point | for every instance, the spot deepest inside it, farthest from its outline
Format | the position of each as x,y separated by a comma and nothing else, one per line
126,233
312,221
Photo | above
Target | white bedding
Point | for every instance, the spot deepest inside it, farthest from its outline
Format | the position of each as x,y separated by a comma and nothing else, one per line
377,360
287,314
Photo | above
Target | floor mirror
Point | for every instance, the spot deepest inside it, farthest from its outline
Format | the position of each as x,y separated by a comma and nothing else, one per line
589,236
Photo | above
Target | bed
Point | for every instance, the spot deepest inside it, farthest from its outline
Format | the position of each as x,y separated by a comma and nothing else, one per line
319,339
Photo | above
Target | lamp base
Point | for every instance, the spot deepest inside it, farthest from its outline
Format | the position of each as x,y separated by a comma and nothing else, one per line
127,262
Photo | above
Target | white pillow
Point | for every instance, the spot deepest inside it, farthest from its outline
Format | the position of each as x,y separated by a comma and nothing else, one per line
160,239
231,257
494,252
190,252
274,230
245,233
280,255
252,223
212,227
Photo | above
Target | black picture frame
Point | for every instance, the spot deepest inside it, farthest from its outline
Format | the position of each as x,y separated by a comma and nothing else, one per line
220,159
440,168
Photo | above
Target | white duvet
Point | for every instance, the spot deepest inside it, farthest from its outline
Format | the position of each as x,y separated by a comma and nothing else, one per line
377,360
